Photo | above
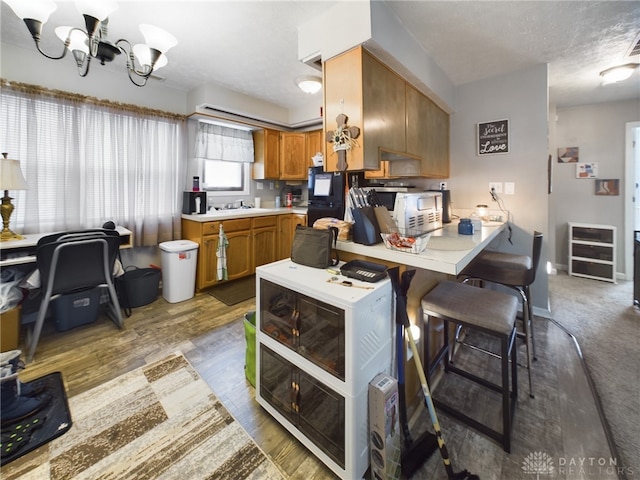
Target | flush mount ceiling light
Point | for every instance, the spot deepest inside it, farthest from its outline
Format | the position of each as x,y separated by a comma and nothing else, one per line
142,59
619,73
309,84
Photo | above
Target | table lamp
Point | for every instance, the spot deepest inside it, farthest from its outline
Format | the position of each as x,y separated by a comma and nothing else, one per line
10,179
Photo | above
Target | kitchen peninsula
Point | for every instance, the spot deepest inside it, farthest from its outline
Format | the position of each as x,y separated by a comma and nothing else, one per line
446,255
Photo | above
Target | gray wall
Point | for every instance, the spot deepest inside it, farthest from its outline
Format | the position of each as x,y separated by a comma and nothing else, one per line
522,98
599,132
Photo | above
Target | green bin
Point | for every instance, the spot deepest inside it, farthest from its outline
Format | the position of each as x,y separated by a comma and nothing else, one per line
250,354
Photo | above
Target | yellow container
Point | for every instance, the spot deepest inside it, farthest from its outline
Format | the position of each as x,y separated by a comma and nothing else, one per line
10,330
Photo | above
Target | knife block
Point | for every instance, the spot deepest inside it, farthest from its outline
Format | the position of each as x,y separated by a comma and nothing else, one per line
365,229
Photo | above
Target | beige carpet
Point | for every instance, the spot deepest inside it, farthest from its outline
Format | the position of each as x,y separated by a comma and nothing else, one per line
160,421
606,325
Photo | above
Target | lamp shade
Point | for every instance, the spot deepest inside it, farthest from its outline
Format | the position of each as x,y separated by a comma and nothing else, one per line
78,40
99,9
310,84
143,55
10,175
157,38
34,9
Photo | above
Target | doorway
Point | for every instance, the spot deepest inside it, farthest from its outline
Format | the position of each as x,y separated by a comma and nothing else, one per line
632,193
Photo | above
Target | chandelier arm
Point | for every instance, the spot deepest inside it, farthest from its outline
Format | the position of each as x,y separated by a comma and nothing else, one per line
35,28
87,64
131,61
144,77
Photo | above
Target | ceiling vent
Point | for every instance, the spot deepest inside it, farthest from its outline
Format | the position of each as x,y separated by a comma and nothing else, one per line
635,47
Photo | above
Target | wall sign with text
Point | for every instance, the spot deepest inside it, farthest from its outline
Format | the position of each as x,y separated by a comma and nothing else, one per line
493,137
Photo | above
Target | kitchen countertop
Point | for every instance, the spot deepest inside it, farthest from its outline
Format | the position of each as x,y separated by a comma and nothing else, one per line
230,214
447,251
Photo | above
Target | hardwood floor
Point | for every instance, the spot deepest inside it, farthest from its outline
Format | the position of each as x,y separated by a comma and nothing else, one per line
562,420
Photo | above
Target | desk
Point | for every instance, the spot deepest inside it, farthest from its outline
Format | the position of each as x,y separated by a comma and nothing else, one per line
18,252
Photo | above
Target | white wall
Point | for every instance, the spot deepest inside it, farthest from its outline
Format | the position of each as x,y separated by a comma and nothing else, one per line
599,132
521,97
29,66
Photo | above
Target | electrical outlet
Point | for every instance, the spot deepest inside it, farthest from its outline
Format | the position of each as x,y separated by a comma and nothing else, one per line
509,188
496,186
259,186
443,185
270,185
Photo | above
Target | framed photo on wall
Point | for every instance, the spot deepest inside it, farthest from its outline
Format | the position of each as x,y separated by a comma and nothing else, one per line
608,186
493,137
587,170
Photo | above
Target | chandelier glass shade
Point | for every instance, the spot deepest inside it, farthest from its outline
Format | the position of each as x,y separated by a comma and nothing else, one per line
92,43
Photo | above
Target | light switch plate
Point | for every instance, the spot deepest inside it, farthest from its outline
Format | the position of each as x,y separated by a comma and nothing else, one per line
509,188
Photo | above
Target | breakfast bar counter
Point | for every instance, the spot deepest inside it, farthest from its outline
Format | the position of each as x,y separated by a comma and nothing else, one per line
447,251
446,255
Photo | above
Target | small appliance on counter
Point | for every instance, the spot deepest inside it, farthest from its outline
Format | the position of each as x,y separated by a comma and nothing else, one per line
446,205
194,203
421,211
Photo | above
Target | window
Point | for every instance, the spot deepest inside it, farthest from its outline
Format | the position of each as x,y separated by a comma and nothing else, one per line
86,162
221,176
226,155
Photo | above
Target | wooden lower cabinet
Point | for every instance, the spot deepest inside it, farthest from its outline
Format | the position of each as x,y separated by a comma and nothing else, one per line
286,229
252,242
265,240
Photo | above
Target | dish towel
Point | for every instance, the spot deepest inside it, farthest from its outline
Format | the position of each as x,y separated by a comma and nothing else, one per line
221,253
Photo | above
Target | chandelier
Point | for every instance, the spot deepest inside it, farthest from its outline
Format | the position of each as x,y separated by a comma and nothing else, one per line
85,45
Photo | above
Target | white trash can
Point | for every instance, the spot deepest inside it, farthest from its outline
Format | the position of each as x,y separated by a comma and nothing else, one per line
179,260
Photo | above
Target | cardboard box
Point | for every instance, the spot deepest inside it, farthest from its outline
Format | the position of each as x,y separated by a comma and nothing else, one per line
384,428
10,330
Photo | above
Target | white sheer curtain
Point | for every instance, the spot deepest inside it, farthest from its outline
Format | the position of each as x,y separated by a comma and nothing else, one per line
216,142
87,163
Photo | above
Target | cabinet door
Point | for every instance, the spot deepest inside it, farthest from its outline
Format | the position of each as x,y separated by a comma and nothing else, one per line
239,261
321,335
342,89
293,162
266,145
321,415
276,383
427,134
384,109
315,144
285,235
207,262
264,245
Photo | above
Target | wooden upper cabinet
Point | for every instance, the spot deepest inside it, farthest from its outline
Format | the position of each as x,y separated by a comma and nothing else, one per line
402,133
383,102
427,134
266,147
293,163
315,144
342,89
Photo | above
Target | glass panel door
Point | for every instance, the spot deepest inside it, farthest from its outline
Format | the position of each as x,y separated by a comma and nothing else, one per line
322,335
321,416
276,380
278,314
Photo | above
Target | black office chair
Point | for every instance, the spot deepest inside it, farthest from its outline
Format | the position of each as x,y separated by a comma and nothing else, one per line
74,261
514,271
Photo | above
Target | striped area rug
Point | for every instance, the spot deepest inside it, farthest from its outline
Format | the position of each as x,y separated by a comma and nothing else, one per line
160,421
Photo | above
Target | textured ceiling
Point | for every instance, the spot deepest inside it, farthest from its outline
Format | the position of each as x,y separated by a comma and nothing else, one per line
251,46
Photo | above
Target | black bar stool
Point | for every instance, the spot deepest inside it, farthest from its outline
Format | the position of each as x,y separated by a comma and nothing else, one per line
514,271
488,311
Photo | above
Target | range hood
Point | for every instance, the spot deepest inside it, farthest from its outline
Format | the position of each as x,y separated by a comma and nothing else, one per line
393,156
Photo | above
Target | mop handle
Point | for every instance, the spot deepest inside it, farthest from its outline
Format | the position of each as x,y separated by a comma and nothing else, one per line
429,401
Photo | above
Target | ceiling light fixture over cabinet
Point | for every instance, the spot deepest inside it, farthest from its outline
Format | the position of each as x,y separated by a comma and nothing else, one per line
619,73
142,59
309,85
